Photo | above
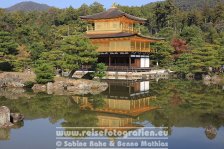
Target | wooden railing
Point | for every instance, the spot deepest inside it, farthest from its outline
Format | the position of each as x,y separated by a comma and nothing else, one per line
117,67
123,29
126,68
131,49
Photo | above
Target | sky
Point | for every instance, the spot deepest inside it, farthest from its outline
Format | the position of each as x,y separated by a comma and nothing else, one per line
77,3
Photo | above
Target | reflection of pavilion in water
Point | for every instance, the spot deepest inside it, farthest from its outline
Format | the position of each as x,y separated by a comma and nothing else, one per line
123,103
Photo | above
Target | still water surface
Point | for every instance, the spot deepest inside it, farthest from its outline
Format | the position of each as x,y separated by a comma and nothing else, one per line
186,108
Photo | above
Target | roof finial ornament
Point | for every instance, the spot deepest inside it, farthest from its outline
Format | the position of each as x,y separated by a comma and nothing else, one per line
114,5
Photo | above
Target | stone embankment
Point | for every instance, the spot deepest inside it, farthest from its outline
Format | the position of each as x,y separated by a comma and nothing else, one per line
128,75
15,79
70,86
61,86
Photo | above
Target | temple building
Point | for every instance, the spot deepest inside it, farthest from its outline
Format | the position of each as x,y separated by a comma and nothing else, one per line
117,36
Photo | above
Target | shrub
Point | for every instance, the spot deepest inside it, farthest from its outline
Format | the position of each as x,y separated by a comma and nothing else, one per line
29,84
44,73
100,70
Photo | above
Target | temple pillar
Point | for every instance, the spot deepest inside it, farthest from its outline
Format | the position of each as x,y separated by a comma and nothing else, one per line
109,60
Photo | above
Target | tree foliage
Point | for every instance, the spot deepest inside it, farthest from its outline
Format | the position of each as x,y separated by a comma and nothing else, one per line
7,46
183,63
72,52
180,47
205,57
100,70
8,51
45,73
162,54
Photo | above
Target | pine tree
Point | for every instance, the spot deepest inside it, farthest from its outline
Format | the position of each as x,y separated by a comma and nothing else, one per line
96,7
163,54
193,35
73,52
84,10
205,57
7,51
7,46
183,63
45,73
100,70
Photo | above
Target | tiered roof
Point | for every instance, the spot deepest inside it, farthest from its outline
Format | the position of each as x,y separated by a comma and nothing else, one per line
119,35
111,14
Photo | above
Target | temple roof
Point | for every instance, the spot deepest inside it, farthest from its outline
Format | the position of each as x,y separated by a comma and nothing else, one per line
110,14
119,35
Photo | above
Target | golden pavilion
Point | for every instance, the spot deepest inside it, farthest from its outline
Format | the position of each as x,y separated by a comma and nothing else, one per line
117,36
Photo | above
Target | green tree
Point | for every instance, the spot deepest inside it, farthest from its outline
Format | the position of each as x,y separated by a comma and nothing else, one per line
100,70
96,7
211,34
164,12
70,15
183,63
7,45
168,33
205,57
22,59
36,49
53,57
219,12
193,35
73,52
221,39
162,54
44,73
221,55
194,18
84,10
8,50
27,34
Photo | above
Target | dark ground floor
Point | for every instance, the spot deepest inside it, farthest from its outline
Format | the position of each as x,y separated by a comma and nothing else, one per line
125,61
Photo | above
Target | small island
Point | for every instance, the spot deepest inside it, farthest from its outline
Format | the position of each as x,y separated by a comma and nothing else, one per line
139,75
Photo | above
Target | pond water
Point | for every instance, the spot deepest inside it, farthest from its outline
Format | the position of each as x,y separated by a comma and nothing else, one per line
191,112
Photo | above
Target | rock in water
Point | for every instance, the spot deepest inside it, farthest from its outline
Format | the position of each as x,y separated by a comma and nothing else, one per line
210,132
16,117
4,117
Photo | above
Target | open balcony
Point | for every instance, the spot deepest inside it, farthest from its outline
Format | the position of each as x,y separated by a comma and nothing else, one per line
130,29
